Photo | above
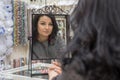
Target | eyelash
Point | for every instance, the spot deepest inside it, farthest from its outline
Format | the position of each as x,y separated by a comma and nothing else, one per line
51,24
42,23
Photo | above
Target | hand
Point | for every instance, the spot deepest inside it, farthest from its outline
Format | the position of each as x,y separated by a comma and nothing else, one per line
54,70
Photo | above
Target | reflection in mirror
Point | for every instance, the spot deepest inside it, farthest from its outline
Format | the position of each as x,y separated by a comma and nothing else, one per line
48,36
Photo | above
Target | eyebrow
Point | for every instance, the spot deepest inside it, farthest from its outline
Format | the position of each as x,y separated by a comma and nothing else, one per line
42,21
45,22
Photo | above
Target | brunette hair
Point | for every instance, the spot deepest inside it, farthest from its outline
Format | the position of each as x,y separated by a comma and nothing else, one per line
95,47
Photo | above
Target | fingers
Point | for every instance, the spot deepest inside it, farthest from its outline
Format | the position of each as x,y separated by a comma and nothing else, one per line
56,63
52,74
59,71
56,67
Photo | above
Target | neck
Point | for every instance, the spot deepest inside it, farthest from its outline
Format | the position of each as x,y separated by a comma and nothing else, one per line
42,39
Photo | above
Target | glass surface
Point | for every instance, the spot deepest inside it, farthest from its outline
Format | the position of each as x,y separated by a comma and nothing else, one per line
23,73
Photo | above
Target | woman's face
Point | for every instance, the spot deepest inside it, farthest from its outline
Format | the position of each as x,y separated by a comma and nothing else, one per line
45,26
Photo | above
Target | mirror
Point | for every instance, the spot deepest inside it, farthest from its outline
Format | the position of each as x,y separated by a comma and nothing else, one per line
42,53
55,32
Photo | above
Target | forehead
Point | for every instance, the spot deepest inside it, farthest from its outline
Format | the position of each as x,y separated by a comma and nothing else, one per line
44,18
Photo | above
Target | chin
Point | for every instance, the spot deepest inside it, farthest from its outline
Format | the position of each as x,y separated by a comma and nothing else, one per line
46,35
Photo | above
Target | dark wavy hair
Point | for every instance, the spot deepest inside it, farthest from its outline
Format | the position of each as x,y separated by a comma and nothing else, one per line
95,47
35,20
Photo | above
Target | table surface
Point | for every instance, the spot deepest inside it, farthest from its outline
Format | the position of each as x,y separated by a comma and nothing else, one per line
9,76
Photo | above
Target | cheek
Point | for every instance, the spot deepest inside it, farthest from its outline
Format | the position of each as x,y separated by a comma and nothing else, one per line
39,29
51,29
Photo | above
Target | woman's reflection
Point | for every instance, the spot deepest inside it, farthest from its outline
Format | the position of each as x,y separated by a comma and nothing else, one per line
45,43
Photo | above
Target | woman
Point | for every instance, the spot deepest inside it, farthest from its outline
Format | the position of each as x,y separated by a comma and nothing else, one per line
95,46
44,37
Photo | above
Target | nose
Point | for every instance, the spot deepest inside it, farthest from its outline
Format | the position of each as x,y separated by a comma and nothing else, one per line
47,26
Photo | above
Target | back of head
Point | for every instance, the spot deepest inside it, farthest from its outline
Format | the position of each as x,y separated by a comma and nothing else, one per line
96,44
